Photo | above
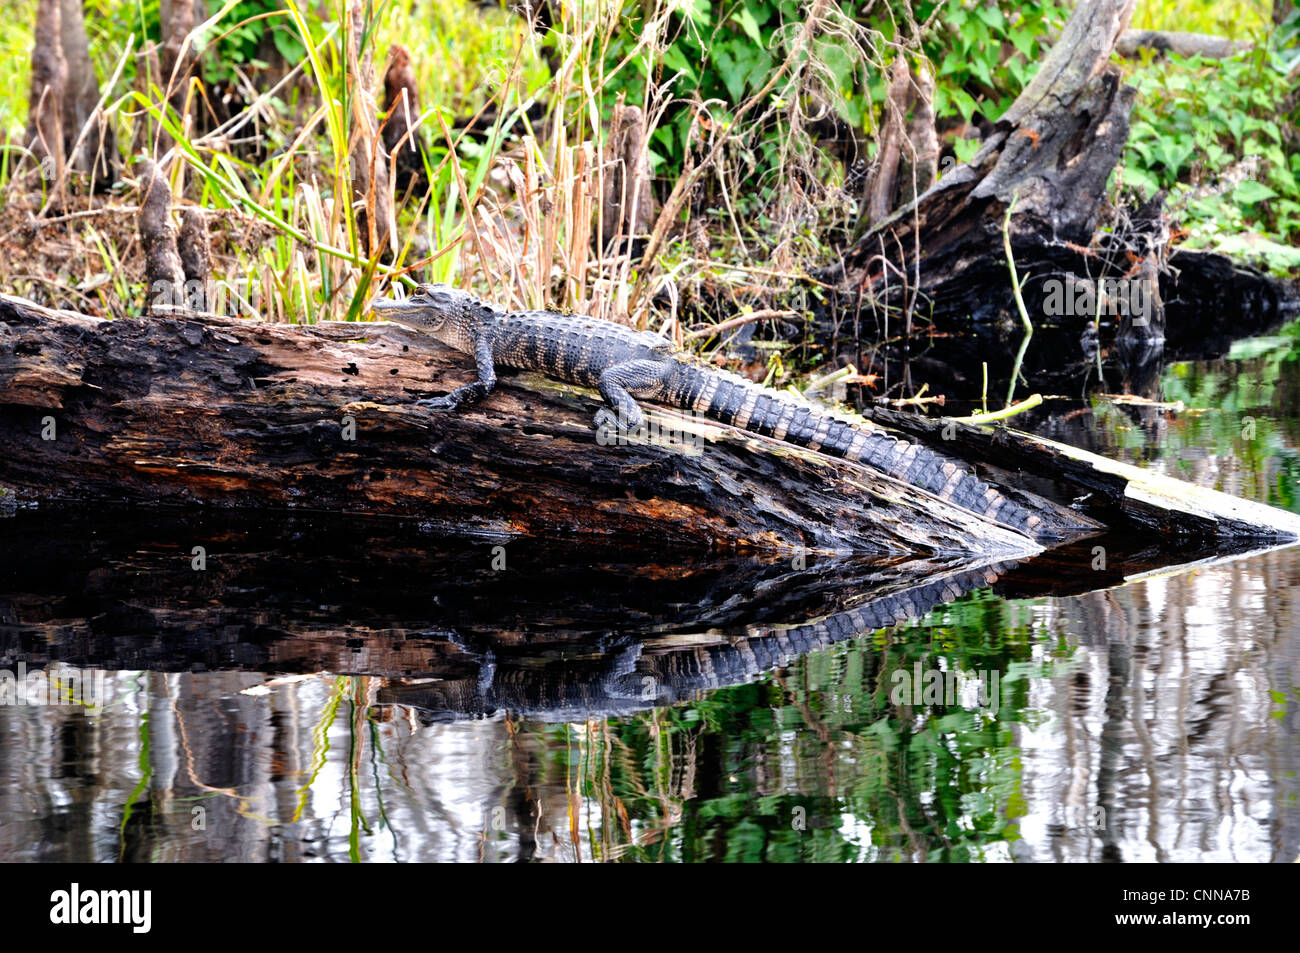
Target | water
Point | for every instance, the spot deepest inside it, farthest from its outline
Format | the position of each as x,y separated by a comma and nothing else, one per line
340,691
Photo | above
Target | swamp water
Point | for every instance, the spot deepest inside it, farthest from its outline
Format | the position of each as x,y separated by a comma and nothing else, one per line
327,690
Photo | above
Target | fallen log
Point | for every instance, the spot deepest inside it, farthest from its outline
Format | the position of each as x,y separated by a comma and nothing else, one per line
228,412
1118,495
213,411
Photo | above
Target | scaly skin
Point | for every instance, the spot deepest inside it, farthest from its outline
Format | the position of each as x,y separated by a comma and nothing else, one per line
624,365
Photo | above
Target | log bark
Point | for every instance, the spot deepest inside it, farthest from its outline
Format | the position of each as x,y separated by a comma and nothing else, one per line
228,412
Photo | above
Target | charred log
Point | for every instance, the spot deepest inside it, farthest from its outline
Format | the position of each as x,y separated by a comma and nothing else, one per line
232,413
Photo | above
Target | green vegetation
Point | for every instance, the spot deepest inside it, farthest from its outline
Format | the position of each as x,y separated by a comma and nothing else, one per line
510,207
1222,136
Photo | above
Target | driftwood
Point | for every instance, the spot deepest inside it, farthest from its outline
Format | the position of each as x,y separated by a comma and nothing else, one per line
232,413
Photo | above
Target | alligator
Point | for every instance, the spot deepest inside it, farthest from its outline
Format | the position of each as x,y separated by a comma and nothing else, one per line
624,364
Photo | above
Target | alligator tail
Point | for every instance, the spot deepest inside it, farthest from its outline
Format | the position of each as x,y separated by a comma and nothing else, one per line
733,400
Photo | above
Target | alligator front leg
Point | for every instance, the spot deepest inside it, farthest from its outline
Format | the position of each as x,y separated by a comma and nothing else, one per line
619,384
469,393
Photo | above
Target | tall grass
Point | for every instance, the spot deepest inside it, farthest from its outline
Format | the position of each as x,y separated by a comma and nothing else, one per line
288,248
514,213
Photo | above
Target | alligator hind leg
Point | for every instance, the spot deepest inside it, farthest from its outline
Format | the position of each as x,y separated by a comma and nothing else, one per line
619,384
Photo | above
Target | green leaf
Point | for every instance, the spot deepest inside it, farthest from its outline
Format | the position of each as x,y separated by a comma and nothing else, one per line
1140,181
1251,191
990,15
1023,40
745,18
965,105
733,75
675,60
965,149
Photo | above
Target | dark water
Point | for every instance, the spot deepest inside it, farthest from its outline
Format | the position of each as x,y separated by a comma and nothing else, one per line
360,691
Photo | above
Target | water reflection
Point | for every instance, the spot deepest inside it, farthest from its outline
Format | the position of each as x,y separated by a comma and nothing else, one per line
762,718
363,692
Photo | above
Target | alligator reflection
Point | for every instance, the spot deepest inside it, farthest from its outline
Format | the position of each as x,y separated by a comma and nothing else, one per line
458,630
558,705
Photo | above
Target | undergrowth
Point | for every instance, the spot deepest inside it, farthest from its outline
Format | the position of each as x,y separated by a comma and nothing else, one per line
762,123
1221,136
